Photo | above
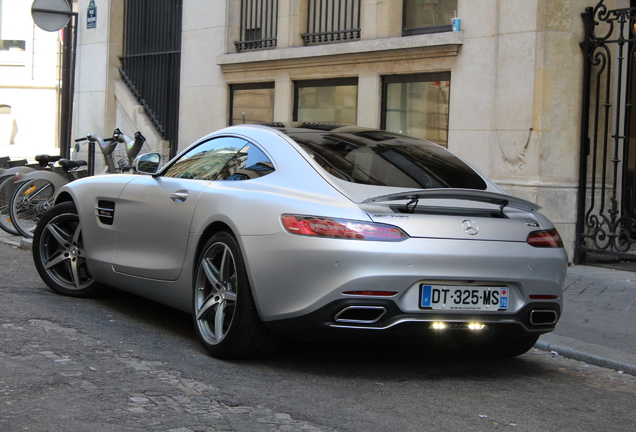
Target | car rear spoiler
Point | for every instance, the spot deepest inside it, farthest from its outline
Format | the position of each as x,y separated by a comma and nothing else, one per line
499,199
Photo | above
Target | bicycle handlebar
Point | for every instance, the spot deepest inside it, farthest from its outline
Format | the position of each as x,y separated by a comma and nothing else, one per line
108,145
86,138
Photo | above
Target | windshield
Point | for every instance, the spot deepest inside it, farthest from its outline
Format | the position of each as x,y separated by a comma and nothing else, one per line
385,159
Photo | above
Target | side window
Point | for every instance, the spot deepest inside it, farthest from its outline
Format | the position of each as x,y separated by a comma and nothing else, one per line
205,161
250,162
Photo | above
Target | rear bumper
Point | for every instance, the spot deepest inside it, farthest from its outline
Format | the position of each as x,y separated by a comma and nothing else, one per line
296,277
357,317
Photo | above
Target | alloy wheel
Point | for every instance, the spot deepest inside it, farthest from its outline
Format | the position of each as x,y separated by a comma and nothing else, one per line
215,293
62,254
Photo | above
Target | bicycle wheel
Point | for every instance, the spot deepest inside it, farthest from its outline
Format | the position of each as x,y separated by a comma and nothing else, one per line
7,188
30,201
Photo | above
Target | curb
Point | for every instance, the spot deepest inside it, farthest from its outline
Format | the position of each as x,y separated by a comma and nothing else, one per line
18,242
589,353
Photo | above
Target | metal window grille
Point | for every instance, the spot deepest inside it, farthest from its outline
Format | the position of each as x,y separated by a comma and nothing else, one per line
259,25
151,62
332,21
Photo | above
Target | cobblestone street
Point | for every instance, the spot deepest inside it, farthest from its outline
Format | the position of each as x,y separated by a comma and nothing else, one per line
120,363
105,388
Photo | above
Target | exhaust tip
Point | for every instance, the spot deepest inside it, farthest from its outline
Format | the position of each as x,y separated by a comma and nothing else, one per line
360,314
543,317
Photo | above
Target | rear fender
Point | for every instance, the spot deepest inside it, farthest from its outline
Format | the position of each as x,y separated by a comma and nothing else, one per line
21,170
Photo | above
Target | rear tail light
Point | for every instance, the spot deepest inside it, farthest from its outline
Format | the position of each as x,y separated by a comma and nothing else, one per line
545,238
341,228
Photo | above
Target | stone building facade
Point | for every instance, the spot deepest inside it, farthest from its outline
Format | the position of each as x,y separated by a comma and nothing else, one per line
503,92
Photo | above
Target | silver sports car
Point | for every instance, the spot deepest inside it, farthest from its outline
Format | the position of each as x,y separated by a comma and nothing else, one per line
312,230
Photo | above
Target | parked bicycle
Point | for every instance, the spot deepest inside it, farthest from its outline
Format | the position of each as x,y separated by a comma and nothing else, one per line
8,185
34,197
36,190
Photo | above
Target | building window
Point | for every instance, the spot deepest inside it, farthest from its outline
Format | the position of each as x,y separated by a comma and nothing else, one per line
427,16
251,103
417,105
332,21
259,25
15,27
327,101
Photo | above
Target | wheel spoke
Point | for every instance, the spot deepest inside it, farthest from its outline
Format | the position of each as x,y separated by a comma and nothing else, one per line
75,273
76,235
219,319
62,237
211,272
57,259
224,267
205,309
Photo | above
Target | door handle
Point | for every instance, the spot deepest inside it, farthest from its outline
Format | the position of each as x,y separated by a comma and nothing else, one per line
179,197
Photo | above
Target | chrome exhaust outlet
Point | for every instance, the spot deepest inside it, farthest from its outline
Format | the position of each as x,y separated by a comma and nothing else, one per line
543,317
360,314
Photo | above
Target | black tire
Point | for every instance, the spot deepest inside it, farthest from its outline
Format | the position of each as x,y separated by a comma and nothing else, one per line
7,188
30,201
512,348
58,253
225,316
500,348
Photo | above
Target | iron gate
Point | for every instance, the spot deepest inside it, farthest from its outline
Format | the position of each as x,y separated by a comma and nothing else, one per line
151,62
606,223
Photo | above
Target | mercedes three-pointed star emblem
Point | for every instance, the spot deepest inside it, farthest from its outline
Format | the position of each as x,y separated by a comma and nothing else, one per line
470,227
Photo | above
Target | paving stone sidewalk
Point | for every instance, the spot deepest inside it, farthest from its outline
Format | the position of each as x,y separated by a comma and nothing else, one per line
598,325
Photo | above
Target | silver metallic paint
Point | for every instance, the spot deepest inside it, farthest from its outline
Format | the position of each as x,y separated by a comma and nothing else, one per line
151,248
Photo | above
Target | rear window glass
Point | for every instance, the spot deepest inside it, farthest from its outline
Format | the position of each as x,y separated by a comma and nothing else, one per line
385,159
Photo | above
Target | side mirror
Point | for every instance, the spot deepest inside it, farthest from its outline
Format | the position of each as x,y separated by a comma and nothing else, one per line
148,163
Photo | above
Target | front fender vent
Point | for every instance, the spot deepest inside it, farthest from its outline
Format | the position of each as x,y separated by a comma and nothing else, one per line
105,212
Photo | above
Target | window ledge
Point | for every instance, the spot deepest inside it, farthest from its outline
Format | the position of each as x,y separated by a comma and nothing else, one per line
389,49
13,58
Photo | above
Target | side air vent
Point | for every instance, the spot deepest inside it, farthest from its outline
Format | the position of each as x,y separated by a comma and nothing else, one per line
105,212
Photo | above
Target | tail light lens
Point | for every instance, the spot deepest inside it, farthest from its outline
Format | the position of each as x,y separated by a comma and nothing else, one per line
545,238
341,228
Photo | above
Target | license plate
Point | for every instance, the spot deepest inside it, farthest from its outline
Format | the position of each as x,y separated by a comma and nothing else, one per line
464,298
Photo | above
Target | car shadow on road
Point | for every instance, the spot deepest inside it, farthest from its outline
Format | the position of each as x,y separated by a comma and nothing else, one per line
399,360
390,358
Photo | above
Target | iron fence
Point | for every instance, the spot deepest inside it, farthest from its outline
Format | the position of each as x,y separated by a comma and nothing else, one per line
606,223
332,21
151,62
